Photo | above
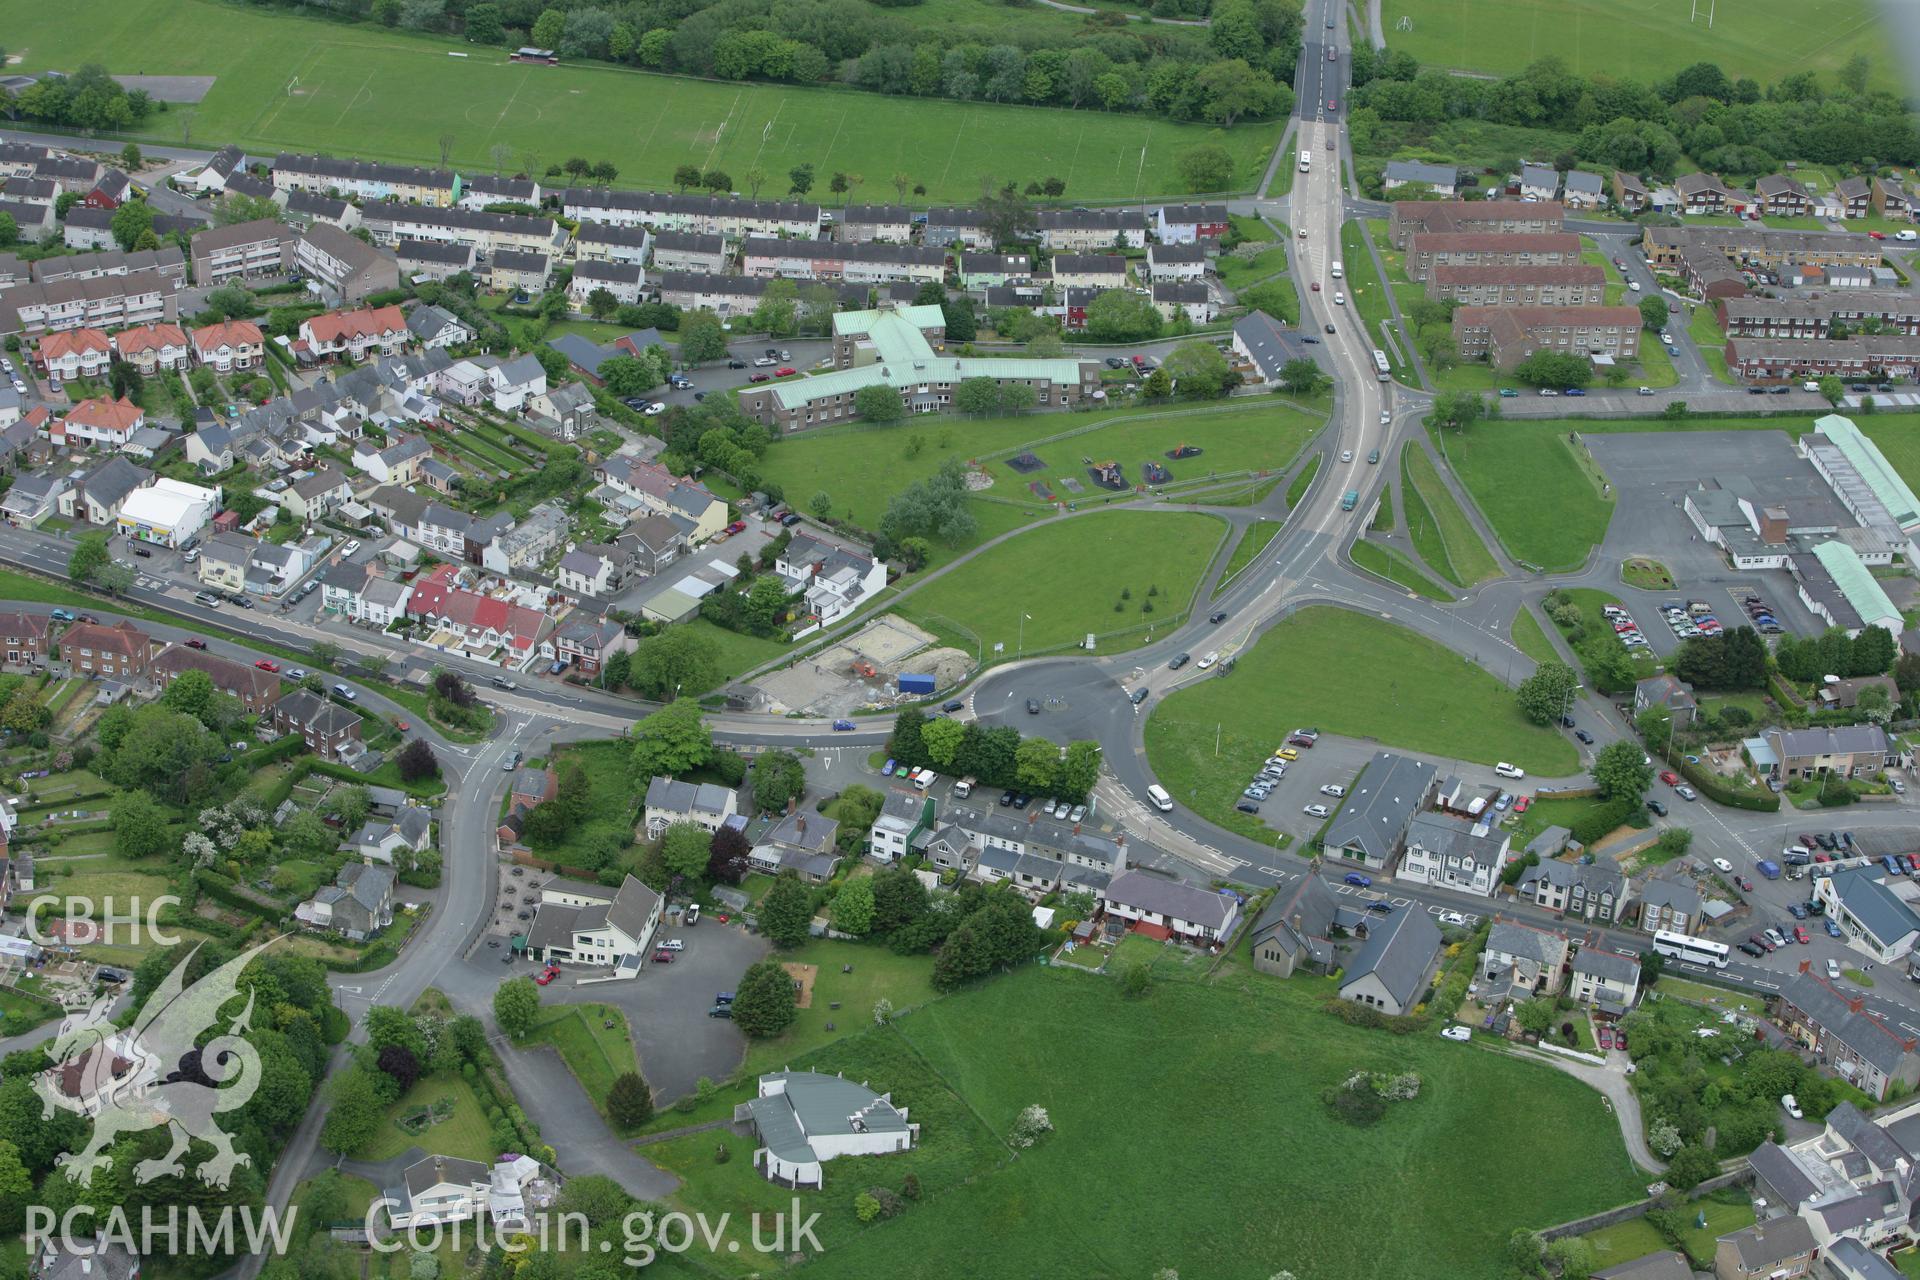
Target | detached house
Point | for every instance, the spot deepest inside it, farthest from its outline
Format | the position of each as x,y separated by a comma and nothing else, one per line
516,382
798,843
834,580
1668,905
1702,193
330,730
803,1119
1520,961
1295,931
394,840
1782,197
357,905
585,923
1389,971
704,804
1606,979
1453,853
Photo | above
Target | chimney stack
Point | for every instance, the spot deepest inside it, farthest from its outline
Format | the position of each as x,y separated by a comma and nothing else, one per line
803,824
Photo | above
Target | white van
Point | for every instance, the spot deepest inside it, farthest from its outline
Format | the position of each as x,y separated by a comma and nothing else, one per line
923,778
1161,800
1337,271
1506,770
1906,235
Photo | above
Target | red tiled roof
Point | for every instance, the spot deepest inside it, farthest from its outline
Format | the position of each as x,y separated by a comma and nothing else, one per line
228,333
122,638
106,414
337,325
150,337
73,342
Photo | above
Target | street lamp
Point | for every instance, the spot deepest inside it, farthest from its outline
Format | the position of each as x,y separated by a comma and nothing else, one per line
1022,640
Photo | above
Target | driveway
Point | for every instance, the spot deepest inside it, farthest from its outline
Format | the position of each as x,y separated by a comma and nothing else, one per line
667,1007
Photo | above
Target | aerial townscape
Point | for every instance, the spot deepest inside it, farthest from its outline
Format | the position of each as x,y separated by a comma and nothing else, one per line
1227,639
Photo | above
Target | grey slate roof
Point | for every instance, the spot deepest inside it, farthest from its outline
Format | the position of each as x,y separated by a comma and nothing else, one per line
1434,175
821,1105
1839,740
1399,951
1782,1175
1608,965
1384,801
1670,893
1876,906
1525,942
111,481
1861,1261
1766,1243
1664,1265
1170,898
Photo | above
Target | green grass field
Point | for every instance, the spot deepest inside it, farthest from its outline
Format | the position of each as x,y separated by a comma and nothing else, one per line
877,973
1199,1146
596,1053
1067,576
1530,638
1537,496
464,1133
1397,569
1349,674
1445,537
1366,297
1252,541
738,652
862,467
1764,39
387,95
1704,328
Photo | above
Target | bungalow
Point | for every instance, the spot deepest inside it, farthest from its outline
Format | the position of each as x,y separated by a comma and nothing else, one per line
704,804
229,345
585,923
1668,692
76,353
798,843
121,651
1389,971
212,176
357,905
1441,179
1160,908
480,190
330,730
34,496
153,348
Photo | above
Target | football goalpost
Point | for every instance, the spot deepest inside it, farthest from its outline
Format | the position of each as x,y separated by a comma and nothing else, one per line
292,85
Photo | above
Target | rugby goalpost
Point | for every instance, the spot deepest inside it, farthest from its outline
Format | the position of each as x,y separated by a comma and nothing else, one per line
1695,14
1405,24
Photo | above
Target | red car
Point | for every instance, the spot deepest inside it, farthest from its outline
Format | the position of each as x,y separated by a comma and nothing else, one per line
1606,1037
663,957
267,664
1520,805
785,371
551,972
1669,777
738,526
1316,286
1800,935
759,377
402,725
196,643
1333,104
1877,235
1620,1040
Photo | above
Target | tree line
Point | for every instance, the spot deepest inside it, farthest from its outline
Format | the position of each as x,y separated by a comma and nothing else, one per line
1239,66
1721,124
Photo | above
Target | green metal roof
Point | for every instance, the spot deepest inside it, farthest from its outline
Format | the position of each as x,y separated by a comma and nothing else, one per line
920,317
1856,582
905,357
1865,455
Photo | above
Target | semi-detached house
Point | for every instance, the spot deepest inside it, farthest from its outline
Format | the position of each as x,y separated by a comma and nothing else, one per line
1090,270
153,348
229,345
76,353
121,651
1190,223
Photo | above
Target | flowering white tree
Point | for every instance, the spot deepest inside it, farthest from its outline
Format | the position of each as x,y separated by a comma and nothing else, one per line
1029,1127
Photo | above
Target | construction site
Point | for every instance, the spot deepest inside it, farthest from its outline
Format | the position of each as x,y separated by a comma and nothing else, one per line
864,671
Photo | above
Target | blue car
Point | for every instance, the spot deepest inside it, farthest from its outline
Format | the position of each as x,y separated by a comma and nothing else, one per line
886,770
1359,881
1833,930
1573,391
63,615
842,726
1797,910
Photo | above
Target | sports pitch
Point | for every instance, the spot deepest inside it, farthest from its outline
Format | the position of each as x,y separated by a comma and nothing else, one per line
286,82
1644,39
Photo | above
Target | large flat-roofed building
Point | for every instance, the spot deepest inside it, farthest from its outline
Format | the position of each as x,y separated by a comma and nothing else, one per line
895,347
1499,217
1578,285
1508,335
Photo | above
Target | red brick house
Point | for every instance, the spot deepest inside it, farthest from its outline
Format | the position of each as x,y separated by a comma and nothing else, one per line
121,651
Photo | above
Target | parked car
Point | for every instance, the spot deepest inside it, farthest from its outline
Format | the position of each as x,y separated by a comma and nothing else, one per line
1459,1034
1801,936
1721,864
62,615
196,643
1788,1102
1584,736
1656,808
1359,881
842,726
1316,811
785,371
721,1011
1033,706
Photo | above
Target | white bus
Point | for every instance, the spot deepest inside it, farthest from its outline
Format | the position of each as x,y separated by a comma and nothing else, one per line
1680,946
1306,160
1381,369
1161,800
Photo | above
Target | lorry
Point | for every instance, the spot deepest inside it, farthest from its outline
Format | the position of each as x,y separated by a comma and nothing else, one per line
964,788
914,683
1768,868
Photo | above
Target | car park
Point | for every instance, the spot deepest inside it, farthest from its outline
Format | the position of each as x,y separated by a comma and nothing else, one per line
1833,928
1332,789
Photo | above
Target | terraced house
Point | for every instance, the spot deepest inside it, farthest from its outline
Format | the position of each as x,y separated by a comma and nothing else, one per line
870,262
390,222
726,216
1087,230
363,179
